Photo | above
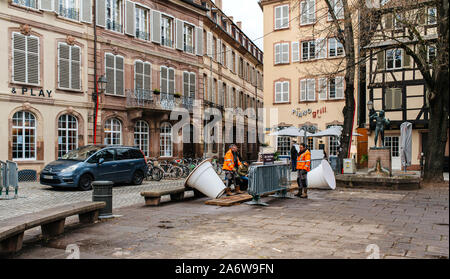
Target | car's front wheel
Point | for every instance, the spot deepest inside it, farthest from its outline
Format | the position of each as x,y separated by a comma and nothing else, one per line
85,182
138,177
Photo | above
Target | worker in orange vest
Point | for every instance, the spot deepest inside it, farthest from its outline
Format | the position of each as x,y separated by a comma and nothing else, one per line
230,165
303,167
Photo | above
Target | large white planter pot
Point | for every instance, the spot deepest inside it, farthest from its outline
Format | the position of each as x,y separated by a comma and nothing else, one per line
205,179
322,177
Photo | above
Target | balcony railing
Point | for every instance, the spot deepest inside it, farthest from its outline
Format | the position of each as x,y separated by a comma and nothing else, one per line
70,13
142,35
141,98
113,25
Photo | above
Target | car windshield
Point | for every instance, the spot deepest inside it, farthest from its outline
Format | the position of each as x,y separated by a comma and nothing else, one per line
81,153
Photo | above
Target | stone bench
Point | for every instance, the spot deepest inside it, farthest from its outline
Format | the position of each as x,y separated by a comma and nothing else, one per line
51,221
153,197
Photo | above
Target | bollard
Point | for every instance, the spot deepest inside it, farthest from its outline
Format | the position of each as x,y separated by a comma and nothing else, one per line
102,191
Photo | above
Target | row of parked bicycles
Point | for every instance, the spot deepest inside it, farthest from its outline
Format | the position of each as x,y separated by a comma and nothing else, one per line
177,168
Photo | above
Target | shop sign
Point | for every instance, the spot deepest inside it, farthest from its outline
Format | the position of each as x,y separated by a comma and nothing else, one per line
29,91
303,113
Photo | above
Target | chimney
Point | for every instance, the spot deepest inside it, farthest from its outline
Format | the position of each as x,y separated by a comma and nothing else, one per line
218,4
239,24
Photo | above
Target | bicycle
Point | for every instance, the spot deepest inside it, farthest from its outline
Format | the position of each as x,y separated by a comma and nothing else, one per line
153,171
170,170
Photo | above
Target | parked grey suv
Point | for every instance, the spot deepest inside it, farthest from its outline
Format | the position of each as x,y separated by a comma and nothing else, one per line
78,168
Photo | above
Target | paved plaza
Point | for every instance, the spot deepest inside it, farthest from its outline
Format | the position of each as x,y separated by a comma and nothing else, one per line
344,223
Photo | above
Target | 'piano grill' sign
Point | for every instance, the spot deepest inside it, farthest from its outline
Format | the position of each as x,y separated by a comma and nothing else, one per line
315,113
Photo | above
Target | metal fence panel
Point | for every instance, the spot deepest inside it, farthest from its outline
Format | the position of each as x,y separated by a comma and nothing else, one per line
265,179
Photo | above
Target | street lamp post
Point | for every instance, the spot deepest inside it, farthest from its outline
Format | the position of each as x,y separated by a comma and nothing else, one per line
100,86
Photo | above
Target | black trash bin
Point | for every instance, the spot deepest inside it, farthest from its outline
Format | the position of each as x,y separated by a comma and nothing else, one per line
103,192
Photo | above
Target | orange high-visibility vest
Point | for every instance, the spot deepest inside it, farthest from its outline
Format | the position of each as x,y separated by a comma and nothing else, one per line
304,161
228,163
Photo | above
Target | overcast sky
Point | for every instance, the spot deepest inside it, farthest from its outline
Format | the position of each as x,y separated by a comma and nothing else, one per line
249,12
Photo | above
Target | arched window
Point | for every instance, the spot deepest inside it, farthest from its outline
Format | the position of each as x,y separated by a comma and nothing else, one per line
113,132
24,135
165,140
141,136
67,134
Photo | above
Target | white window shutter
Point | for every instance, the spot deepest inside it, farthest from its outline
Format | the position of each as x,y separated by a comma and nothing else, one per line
311,95
295,52
179,34
110,73
321,48
101,12
147,76
388,98
199,41
219,51
163,80
278,17
192,85
303,12
75,71
303,90
209,44
171,81
138,75
277,54
33,59
339,87
312,11
185,83
130,17
285,17
285,91
119,76
63,65
322,88
156,27
278,91
285,49
86,11
19,58
47,5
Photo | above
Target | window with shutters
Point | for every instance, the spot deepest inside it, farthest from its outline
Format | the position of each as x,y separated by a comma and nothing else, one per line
282,17
189,84
27,3
69,9
167,80
166,31
223,55
142,77
336,88
394,59
25,59
307,90
393,98
165,140
69,67
338,9
282,53
308,50
114,15
321,48
188,38
431,15
141,23
24,136
141,136
67,134
307,12
282,92
114,68
214,48
335,48
113,132
214,91
233,62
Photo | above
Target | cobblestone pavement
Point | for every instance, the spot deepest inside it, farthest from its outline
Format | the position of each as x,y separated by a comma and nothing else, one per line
35,197
330,224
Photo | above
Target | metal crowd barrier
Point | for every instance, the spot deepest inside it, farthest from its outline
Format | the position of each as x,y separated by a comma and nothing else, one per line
264,179
8,178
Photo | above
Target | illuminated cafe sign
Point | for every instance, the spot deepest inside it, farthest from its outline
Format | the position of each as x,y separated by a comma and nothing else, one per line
303,113
31,92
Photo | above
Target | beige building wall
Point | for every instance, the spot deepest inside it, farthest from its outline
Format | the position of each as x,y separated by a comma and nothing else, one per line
319,112
50,29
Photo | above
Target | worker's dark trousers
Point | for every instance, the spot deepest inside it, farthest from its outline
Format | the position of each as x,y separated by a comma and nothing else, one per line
230,178
301,179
